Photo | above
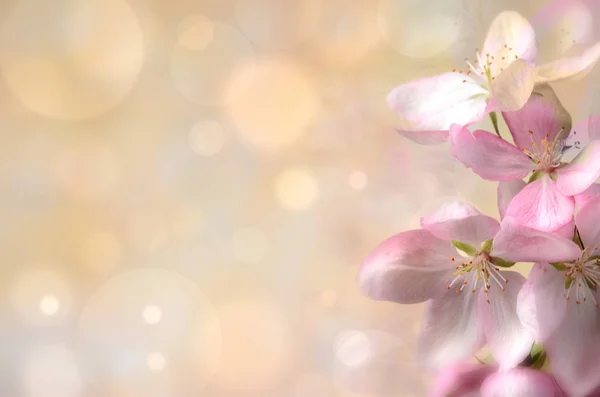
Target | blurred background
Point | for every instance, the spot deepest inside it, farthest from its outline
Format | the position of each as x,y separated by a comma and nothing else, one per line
189,187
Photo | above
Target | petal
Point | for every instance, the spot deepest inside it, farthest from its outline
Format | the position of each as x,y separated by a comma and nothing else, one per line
509,341
543,115
434,103
562,26
518,243
574,348
509,36
526,308
542,206
574,67
461,222
410,267
460,379
582,198
489,156
451,330
580,173
512,88
507,190
588,224
520,382
550,303
428,138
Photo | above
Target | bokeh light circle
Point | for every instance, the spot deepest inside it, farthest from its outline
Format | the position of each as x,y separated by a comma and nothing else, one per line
313,385
279,105
74,59
88,172
144,319
249,245
417,31
258,346
296,189
374,362
207,137
357,180
204,58
101,251
50,371
347,31
41,296
275,24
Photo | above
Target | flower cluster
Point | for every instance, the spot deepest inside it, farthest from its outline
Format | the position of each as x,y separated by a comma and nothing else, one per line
543,332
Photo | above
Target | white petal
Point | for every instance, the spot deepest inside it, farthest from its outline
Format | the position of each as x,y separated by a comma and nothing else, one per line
435,103
514,86
574,67
509,37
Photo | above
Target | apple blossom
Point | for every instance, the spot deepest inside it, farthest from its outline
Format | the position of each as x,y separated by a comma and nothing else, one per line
501,78
538,130
471,300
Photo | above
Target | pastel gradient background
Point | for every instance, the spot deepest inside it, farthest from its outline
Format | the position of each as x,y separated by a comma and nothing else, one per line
189,187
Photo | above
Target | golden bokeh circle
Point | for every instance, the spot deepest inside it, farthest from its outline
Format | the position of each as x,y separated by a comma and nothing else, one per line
259,356
417,31
278,107
154,317
275,24
204,58
73,60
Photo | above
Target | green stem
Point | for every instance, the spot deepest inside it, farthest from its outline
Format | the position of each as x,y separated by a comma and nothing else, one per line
494,118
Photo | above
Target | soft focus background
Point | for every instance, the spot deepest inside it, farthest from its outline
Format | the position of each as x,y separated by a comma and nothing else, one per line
188,188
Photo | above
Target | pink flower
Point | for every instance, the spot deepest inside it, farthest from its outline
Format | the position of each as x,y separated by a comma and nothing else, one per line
475,380
538,130
561,307
471,300
501,78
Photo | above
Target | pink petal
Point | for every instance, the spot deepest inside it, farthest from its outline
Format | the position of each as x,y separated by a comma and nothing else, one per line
489,156
580,173
550,303
518,243
543,115
542,206
520,382
428,138
588,223
434,103
410,267
507,190
512,88
460,379
527,309
574,348
508,340
461,222
582,198
574,67
509,36
451,330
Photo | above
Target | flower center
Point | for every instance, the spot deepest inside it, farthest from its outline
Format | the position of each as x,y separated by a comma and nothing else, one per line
547,154
477,273
583,276
487,67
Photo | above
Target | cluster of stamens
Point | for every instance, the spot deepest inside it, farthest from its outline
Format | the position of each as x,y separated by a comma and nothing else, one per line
477,273
483,66
583,277
548,153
